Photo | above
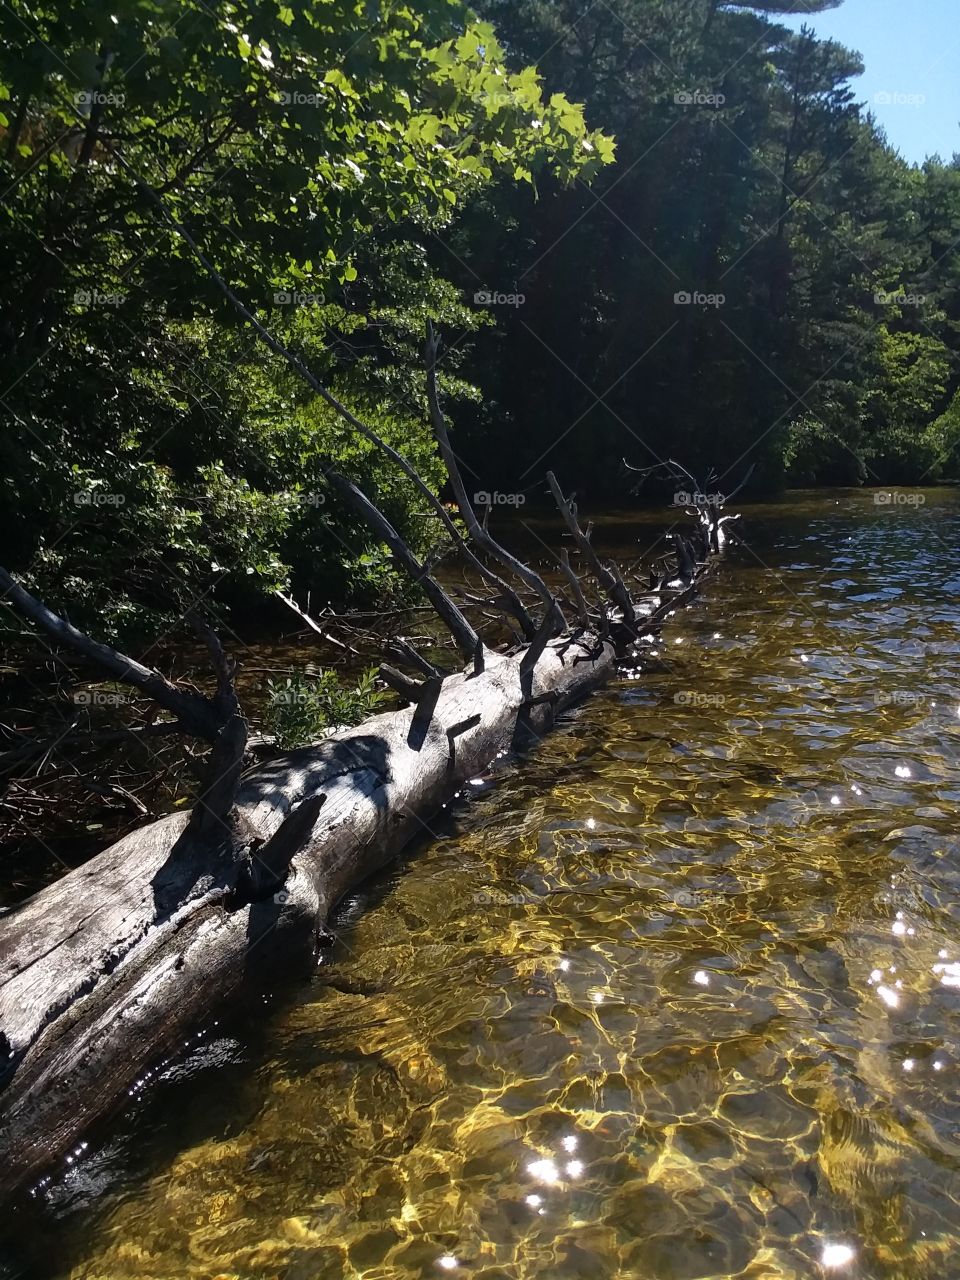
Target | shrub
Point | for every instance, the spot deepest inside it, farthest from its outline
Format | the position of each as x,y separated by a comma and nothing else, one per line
302,707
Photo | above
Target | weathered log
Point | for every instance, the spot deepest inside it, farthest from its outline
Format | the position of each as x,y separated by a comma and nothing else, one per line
102,972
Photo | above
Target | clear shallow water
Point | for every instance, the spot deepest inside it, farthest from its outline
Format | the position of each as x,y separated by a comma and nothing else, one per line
679,997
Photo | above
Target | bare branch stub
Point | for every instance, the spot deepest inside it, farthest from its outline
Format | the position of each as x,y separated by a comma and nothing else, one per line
210,820
462,631
578,596
551,626
478,532
611,582
686,561
407,688
403,649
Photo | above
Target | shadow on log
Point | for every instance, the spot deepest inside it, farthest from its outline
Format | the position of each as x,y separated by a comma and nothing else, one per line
97,979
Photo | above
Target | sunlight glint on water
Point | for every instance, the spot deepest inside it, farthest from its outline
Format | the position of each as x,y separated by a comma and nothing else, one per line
679,998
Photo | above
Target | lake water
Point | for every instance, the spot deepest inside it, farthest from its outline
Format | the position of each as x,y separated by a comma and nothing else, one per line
678,997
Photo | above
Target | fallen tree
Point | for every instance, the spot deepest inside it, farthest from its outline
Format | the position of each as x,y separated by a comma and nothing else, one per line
104,972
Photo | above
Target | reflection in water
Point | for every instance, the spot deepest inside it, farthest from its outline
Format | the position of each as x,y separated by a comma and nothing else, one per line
679,998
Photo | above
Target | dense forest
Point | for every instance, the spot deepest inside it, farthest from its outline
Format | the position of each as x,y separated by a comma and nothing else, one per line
650,229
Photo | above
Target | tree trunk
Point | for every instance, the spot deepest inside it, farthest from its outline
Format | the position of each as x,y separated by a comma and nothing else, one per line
102,973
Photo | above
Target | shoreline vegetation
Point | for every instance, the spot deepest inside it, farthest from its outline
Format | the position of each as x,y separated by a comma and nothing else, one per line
657,238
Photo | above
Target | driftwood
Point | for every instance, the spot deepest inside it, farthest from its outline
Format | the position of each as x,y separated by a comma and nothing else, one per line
103,973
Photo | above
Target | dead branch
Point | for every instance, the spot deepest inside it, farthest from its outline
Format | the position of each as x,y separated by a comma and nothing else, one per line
463,633
686,561
216,719
16,757
196,714
611,583
477,531
577,590
312,623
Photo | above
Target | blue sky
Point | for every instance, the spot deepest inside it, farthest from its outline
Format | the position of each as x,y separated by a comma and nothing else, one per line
912,53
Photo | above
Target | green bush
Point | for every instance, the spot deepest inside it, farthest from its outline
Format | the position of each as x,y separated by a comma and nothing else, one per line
302,707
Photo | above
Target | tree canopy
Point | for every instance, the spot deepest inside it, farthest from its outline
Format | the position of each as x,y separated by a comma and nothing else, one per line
153,451
649,228
760,278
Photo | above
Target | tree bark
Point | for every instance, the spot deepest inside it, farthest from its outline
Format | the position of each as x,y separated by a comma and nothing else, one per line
102,973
